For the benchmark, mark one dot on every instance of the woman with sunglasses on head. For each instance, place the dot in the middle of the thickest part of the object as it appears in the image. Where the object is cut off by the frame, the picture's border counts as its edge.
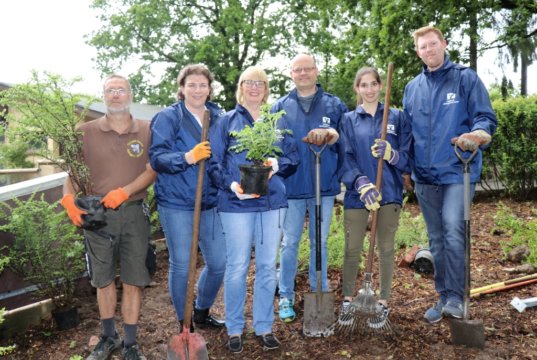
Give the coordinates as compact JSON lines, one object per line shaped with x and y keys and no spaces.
{"x":360,"y":134}
{"x":249,"y":218}
{"x":175,"y":150}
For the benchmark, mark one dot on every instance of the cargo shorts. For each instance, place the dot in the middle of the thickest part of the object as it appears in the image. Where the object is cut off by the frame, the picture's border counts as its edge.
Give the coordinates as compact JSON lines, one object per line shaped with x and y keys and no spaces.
{"x":123,"y":240}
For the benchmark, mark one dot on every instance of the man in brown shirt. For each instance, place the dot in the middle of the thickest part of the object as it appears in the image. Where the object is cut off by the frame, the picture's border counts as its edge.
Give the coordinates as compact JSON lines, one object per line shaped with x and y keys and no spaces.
{"x":115,"y":150}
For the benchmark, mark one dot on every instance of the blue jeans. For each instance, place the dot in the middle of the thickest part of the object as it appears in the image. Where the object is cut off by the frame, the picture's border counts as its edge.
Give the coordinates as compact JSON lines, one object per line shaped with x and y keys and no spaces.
{"x":292,"y":233}
{"x":177,"y":225}
{"x":443,"y":210}
{"x":264,"y":229}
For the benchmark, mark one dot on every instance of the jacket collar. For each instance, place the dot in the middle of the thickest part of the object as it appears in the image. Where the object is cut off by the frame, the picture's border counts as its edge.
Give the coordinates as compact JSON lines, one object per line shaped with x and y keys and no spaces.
{"x":104,"y":125}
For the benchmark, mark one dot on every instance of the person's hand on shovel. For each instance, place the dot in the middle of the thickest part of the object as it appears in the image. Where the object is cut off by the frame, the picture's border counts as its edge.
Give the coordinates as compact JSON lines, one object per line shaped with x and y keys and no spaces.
{"x":383,"y":149}
{"x":321,"y":136}
{"x":199,"y":152}
{"x":368,"y":193}
{"x":472,"y":140}
{"x":239,"y":192}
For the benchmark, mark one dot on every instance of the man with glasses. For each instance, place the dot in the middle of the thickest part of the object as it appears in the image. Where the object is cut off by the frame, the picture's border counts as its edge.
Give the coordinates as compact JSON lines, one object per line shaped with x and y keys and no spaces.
{"x":115,"y":149}
{"x":314,"y":116}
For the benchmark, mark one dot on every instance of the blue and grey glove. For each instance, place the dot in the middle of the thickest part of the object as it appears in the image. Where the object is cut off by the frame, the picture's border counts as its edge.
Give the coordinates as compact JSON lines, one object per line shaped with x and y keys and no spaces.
{"x":383,"y":149}
{"x":368,"y":193}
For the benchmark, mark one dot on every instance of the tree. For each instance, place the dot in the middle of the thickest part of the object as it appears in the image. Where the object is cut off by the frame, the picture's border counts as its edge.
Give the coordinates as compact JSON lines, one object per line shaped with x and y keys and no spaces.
{"x":166,"y":35}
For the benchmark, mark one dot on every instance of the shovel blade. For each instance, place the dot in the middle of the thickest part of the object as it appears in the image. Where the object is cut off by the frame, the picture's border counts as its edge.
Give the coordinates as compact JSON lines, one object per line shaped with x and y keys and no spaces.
{"x":319,"y":314}
{"x":470,"y":333}
{"x":187,"y":346}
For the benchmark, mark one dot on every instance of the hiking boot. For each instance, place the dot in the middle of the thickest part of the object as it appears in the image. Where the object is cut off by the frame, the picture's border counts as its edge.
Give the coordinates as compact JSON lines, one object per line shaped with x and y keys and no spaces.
{"x":269,"y":341}
{"x":434,"y":314}
{"x":453,"y":309}
{"x":133,"y":352}
{"x":203,"y":319}
{"x":380,"y":319}
{"x":234,"y":344}
{"x":287,"y":313}
{"x":105,"y":347}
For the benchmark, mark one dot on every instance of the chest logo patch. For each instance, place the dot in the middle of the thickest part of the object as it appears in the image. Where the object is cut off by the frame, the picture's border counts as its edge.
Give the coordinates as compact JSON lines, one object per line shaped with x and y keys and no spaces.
{"x":391,"y":129}
{"x":135,"y":148}
{"x":451,"y":98}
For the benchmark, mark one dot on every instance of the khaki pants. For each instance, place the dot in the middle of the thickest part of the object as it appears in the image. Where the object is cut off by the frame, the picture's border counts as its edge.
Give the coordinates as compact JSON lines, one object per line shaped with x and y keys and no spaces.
{"x":355,"y":221}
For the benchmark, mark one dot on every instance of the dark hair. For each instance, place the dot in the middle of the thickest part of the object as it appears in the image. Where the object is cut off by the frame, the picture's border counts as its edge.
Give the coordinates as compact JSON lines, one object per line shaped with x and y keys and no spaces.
{"x":360,"y":74}
{"x":194,"y":69}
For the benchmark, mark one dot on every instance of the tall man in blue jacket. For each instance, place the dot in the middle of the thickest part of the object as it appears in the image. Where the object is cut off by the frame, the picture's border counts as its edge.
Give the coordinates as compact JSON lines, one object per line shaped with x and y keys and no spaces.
{"x":447,"y":104}
{"x":315,"y":115}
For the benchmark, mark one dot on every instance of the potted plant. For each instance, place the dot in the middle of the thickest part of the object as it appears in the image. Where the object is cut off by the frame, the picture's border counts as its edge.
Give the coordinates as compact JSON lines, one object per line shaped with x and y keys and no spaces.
{"x":260,"y":143}
{"x":47,"y":251}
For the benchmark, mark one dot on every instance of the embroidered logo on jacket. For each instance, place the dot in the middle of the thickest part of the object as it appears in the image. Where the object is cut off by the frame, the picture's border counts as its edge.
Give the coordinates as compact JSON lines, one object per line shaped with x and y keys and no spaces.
{"x":451,"y":98}
{"x":325,"y":122}
{"x":135,"y":148}
{"x":390,"y":129}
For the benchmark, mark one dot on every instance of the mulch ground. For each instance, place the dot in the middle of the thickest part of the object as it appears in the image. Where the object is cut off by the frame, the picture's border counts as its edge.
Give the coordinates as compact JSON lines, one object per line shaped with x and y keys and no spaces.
{"x":509,"y":334}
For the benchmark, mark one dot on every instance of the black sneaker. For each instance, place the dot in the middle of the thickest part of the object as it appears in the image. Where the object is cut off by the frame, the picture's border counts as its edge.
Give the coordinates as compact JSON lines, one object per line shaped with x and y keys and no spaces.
{"x":203,"y":319}
{"x":105,"y":347}
{"x":269,"y":341}
{"x":234,"y":344}
{"x":133,"y":353}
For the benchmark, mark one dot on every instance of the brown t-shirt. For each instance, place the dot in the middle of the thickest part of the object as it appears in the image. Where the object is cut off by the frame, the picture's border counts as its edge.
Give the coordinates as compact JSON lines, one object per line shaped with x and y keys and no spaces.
{"x":115,"y":160}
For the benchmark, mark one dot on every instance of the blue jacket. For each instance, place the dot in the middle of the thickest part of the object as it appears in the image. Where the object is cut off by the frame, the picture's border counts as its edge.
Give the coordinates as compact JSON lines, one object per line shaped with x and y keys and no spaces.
{"x":443,"y":104}
{"x":358,"y":133}
{"x":224,"y":165}
{"x":326,"y":111}
{"x":174,"y":132}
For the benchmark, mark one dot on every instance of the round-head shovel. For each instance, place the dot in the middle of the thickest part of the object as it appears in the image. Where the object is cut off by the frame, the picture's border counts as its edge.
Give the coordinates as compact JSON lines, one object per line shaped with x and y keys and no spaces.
{"x":465,"y":331}
{"x":318,"y":306}
{"x":190,"y":345}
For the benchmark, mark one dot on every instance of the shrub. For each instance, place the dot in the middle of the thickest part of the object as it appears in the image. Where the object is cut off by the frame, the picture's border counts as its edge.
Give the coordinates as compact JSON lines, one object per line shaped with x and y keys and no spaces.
{"x":13,"y":156}
{"x":4,"y":350}
{"x":47,"y":249}
{"x":512,"y":157}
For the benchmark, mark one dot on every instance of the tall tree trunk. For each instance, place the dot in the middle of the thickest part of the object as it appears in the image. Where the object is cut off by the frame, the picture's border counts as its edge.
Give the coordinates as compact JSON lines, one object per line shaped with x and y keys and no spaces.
{"x":473,"y":40}
{"x":523,"y":74}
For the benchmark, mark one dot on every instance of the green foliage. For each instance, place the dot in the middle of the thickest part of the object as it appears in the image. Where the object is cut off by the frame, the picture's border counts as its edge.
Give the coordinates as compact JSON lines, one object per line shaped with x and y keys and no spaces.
{"x":4,"y":350}
{"x":411,"y":231}
{"x":13,"y":155}
{"x":260,"y":140}
{"x":522,"y":233}
{"x":76,"y":357}
{"x":153,"y":211}
{"x":227,"y":36}
{"x":45,"y":110}
{"x":512,"y":157}
{"x":47,"y":249}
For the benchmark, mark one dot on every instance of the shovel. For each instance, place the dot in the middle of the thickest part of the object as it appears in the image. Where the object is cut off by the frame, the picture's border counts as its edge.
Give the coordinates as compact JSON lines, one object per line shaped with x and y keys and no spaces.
{"x":190,"y":345}
{"x":318,"y":306}
{"x":465,"y":331}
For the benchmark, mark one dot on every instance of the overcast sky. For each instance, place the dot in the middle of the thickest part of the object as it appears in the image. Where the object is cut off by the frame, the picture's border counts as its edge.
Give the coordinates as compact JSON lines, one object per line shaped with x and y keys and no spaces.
{"x":49,"y":35}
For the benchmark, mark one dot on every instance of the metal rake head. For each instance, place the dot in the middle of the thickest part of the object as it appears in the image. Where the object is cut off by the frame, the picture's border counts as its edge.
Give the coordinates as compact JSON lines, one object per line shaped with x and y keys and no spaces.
{"x":363,"y":320}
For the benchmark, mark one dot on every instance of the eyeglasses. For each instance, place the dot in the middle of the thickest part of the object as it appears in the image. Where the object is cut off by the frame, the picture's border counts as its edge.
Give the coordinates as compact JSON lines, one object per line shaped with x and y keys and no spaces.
{"x":298,"y":70}
{"x":119,"y":91}
{"x":201,"y":86}
{"x":371,"y":85}
{"x":253,"y":83}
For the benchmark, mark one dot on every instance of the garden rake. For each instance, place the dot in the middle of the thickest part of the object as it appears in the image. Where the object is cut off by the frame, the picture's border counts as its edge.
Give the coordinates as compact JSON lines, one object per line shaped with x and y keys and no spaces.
{"x":364,"y":313}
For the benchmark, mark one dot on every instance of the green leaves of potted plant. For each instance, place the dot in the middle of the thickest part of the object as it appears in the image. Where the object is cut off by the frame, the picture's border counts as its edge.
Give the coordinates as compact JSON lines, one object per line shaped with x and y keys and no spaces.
{"x":47,"y":251}
{"x":260,"y":143}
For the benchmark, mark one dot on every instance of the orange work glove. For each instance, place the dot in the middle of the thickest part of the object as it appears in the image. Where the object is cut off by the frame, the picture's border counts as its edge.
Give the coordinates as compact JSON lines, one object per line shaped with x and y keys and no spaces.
{"x":114,"y":198}
{"x":198,"y":152}
{"x":73,"y":211}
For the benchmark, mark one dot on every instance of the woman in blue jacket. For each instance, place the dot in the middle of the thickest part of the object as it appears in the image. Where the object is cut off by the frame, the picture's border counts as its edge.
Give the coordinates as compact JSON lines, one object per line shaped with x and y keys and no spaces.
{"x":360,"y":133}
{"x":175,"y":150}
{"x":248,"y":218}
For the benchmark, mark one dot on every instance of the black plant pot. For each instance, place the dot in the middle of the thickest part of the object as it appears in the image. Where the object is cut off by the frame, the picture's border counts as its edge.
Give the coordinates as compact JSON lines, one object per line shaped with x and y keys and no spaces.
{"x":66,"y":318}
{"x":255,"y":178}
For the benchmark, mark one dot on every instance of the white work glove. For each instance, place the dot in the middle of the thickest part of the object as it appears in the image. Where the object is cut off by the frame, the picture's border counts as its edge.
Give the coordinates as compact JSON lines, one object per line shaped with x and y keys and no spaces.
{"x":239,"y":192}
{"x":472,"y":140}
{"x":272,"y":162}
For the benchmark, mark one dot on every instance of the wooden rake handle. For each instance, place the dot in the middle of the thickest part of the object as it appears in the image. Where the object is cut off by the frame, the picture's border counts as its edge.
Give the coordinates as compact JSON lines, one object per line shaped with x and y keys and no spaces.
{"x":374,"y":220}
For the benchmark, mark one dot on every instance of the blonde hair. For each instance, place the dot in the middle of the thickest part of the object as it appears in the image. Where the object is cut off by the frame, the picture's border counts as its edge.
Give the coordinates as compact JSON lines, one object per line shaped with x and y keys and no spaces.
{"x":194,"y":69}
{"x":425,"y":30}
{"x":255,"y":72}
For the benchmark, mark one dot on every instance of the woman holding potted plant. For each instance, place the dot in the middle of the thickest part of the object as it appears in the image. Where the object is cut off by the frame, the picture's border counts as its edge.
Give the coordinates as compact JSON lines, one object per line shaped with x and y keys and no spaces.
{"x":360,"y":134}
{"x":250,"y":217}
{"x":175,"y":150}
